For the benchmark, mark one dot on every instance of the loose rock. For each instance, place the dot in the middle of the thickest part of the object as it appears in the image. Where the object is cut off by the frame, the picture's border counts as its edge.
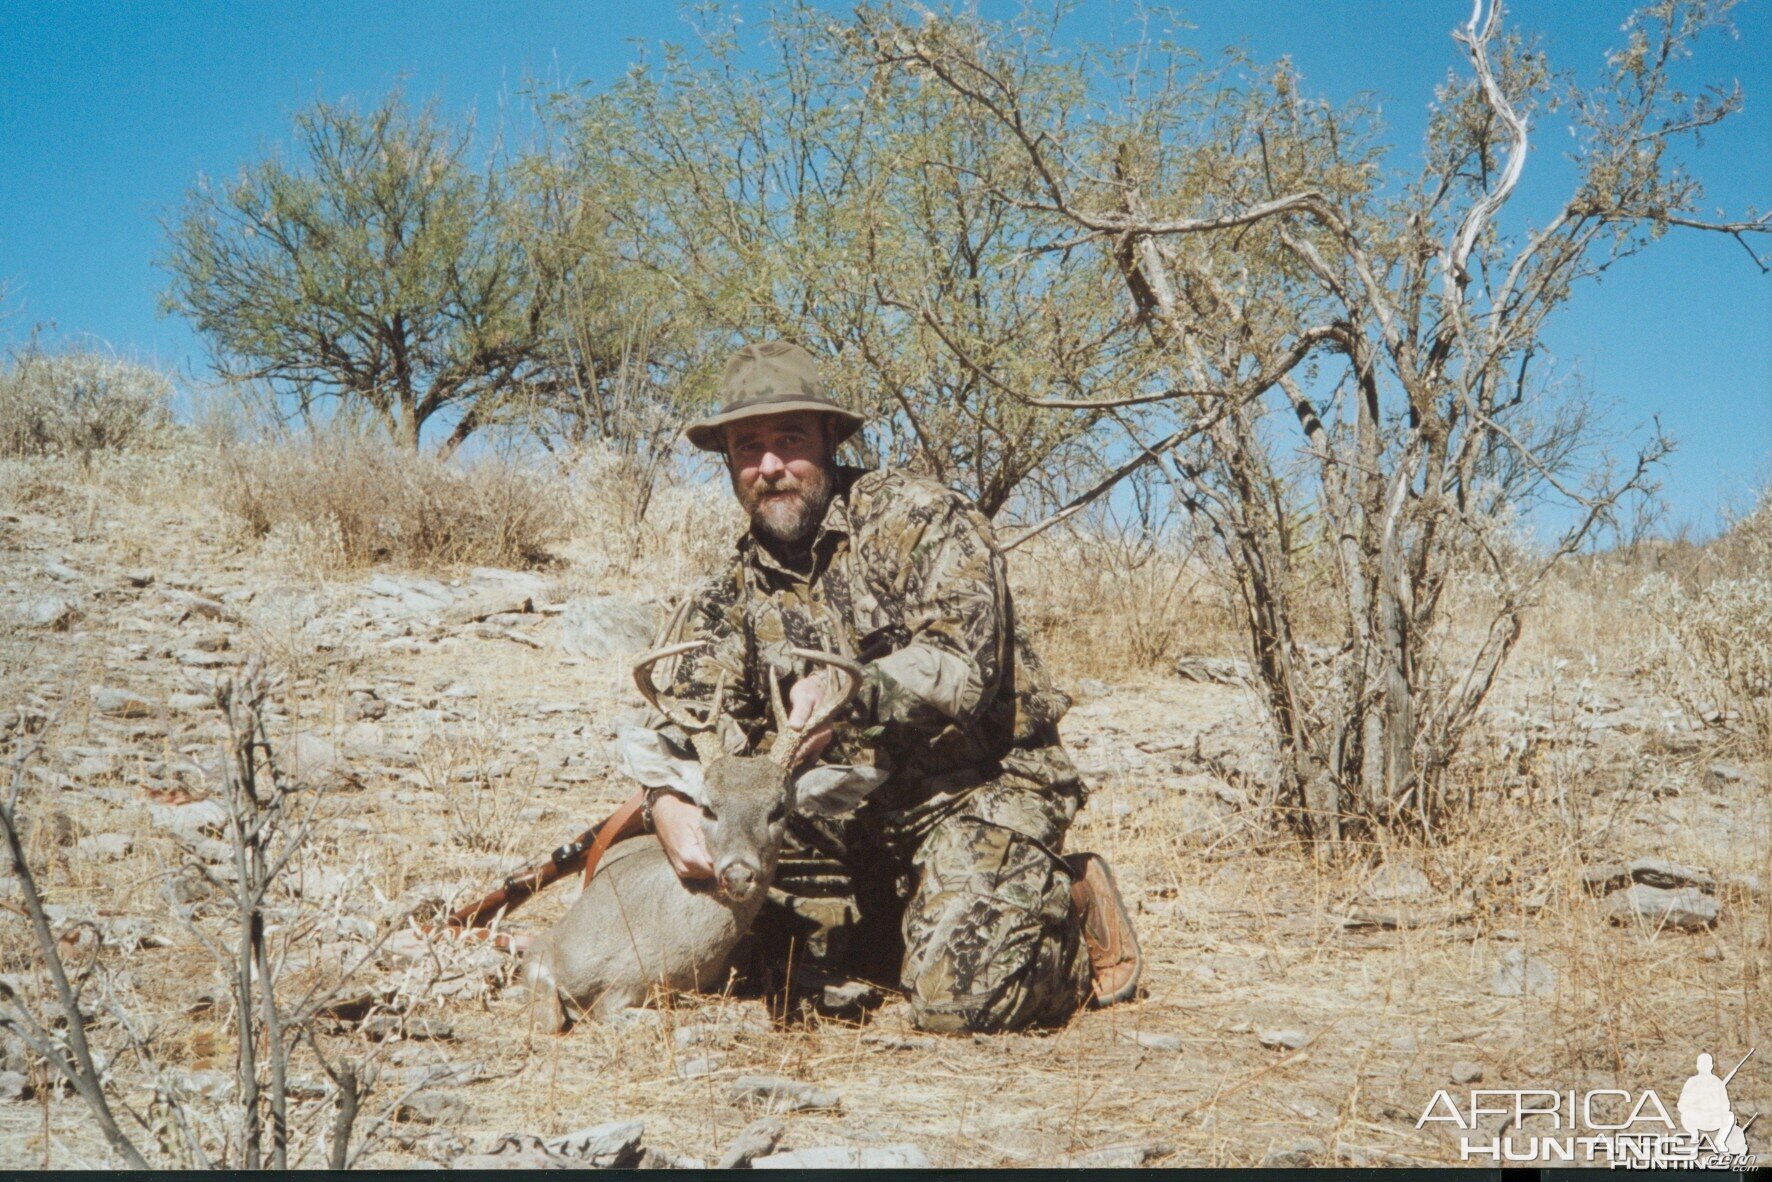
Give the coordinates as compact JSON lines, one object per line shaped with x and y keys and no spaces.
{"x":775,"y":1094}
{"x":605,"y":626}
{"x":1130,"y":1156}
{"x":120,"y":703}
{"x":611,"y":1146}
{"x":846,"y":1157}
{"x":51,"y":612}
{"x":1519,"y":975}
{"x":1154,"y":1042}
{"x":1687,"y":908}
{"x":1290,"y":1040}
{"x":758,"y":1139}
{"x":1294,"y":1155}
{"x":103,"y":847}
{"x":1465,"y":1072}
{"x":434,"y":1108}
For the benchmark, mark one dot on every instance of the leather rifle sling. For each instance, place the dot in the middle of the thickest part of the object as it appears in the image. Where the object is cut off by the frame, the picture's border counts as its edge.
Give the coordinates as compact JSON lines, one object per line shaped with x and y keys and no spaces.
{"x":623,"y":822}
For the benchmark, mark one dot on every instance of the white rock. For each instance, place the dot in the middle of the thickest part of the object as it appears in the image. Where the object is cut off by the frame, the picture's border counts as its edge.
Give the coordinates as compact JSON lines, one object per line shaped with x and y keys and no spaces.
{"x":192,"y":822}
{"x":103,"y":847}
{"x":1294,"y":1155}
{"x":1687,"y":908}
{"x":1290,"y":1040}
{"x":120,"y":703}
{"x":1154,"y":1042}
{"x":615,"y":1145}
{"x":775,"y":1094}
{"x":1130,"y":1156}
{"x":606,"y":625}
{"x":52,"y":612}
{"x":846,"y":1157}
{"x":1519,"y":975}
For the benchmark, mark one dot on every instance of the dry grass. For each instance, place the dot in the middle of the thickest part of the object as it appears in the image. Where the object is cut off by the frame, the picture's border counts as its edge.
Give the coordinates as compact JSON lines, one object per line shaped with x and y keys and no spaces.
{"x":1241,"y":928}
{"x":343,"y":499}
{"x":1105,"y":606}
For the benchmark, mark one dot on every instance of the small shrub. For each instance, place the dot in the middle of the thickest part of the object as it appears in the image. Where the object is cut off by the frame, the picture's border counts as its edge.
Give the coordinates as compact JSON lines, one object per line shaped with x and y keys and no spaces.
{"x":341,"y":498}
{"x":1101,"y":604}
{"x":1712,"y":649}
{"x":77,"y":403}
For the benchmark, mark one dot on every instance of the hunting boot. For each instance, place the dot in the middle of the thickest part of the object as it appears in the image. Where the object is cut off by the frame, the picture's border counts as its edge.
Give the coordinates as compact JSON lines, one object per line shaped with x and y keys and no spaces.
{"x":1107,"y":929}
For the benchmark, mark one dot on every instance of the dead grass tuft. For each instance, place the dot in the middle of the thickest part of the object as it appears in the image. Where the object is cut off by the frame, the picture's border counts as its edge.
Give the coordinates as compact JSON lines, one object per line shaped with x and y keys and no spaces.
{"x":340,"y":499}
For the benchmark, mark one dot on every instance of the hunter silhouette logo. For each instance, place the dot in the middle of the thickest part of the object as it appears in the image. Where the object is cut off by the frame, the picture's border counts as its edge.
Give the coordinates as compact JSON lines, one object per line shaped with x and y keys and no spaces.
{"x":1705,"y":1112}
{"x":1632,"y":1130}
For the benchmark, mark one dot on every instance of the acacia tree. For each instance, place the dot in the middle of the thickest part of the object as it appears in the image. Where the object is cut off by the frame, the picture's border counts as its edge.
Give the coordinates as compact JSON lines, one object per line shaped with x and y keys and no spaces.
{"x":376,"y":271}
{"x":1396,"y":323}
{"x":818,"y":199}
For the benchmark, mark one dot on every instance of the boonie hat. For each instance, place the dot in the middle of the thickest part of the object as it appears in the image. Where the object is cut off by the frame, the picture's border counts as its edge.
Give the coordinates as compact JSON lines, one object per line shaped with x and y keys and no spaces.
{"x":770,"y":378}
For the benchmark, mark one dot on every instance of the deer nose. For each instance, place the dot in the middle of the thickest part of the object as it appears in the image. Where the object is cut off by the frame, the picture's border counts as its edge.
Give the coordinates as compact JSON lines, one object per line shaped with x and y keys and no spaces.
{"x":738,"y":880}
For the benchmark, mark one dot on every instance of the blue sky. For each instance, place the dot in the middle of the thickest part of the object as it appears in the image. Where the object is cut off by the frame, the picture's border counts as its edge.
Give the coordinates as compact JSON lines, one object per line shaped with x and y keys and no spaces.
{"x":109,"y":111}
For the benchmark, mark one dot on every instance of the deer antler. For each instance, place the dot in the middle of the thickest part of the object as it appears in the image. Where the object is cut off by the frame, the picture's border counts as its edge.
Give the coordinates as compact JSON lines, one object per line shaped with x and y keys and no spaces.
{"x":703,"y":732}
{"x":790,"y":741}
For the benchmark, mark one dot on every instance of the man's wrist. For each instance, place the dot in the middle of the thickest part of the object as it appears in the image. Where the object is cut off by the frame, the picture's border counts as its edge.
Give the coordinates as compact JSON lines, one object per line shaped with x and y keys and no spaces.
{"x":652,"y":797}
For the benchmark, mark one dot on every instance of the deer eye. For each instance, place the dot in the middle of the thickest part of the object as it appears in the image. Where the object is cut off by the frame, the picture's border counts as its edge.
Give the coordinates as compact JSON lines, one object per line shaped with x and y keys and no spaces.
{"x":777,"y":813}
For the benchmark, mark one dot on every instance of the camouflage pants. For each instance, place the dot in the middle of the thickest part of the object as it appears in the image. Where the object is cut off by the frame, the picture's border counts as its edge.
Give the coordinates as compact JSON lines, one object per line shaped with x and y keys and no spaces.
{"x":990,"y":942}
{"x":978,"y":916}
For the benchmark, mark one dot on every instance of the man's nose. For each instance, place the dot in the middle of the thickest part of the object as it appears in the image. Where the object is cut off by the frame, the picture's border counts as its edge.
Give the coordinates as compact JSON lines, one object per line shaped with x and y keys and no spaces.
{"x":771,"y":465}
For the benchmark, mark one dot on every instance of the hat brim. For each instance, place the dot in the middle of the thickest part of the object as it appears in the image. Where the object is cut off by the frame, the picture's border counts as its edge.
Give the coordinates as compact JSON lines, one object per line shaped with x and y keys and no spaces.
{"x":708,"y":433}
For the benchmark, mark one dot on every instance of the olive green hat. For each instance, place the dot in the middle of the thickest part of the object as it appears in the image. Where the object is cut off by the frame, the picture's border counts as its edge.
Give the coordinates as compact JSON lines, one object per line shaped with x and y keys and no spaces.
{"x":770,"y":378}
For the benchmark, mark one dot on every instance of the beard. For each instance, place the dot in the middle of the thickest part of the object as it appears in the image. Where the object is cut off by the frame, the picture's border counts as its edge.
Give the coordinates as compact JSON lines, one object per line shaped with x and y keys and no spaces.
{"x":786,"y":511}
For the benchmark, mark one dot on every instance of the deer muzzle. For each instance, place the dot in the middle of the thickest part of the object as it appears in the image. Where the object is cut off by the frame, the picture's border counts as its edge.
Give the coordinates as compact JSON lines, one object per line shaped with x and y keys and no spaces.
{"x":738,"y":879}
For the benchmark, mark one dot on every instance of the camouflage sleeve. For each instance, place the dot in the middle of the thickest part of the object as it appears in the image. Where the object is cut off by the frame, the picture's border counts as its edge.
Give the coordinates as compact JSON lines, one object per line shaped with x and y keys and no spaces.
{"x":712,"y":613}
{"x":932,"y":563}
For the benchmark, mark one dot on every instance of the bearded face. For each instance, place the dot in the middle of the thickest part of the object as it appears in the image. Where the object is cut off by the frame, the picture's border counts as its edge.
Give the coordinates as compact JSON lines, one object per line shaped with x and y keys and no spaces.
{"x":782,"y":474}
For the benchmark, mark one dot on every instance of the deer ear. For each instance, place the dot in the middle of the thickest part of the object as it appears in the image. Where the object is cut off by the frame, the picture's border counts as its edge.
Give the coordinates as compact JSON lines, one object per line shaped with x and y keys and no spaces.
{"x":833,"y":789}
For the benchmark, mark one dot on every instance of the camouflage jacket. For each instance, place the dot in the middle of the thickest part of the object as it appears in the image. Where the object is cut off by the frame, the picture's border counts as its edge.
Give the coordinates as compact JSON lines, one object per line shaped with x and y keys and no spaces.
{"x":903,"y":576}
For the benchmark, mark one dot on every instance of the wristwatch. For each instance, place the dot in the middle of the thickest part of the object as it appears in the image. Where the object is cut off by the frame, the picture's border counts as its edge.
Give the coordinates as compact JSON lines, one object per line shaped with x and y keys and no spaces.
{"x":652,"y":795}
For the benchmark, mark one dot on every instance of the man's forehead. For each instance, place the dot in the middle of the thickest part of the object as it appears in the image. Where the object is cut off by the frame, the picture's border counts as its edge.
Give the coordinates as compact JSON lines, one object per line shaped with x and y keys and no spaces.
{"x":766,"y":425}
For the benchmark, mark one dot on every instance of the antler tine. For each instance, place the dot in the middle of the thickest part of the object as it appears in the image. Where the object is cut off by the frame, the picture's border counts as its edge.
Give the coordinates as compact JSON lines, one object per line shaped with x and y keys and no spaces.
{"x":676,"y":714}
{"x":789,"y":741}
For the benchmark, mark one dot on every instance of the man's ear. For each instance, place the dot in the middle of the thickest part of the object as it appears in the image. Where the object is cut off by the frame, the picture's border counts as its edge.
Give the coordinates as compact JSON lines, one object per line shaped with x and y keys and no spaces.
{"x":833,"y":789}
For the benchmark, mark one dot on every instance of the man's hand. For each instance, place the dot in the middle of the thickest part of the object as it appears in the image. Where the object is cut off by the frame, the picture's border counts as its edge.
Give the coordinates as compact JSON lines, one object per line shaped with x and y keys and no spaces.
{"x":803,"y":701}
{"x":678,"y":825}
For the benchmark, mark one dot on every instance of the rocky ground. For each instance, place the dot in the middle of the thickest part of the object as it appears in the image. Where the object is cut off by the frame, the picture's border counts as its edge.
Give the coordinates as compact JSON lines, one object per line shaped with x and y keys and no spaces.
{"x":1604,"y":921}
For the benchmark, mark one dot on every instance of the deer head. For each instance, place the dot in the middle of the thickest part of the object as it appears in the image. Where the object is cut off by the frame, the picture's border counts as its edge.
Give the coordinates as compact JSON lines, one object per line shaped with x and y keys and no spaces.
{"x":747,"y":798}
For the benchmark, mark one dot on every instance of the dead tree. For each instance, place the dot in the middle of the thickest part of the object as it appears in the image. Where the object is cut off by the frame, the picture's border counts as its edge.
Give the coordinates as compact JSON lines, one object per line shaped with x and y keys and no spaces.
{"x":1354,"y":396}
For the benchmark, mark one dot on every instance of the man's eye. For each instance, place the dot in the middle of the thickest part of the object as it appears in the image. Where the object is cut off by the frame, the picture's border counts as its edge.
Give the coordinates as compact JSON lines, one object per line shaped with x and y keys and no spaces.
{"x":707,"y":812}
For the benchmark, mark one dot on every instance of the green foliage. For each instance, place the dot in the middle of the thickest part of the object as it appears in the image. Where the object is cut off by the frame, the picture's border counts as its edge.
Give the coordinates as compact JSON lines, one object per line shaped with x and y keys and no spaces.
{"x":852,"y":210}
{"x":376,"y":269}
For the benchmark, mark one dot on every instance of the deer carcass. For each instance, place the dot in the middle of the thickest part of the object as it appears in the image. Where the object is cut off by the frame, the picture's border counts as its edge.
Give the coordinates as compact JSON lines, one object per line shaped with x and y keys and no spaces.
{"x":636,"y":925}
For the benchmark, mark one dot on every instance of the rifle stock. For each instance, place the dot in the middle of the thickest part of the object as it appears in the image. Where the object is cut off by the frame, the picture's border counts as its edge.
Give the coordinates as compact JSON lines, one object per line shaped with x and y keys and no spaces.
{"x":582,"y":852}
